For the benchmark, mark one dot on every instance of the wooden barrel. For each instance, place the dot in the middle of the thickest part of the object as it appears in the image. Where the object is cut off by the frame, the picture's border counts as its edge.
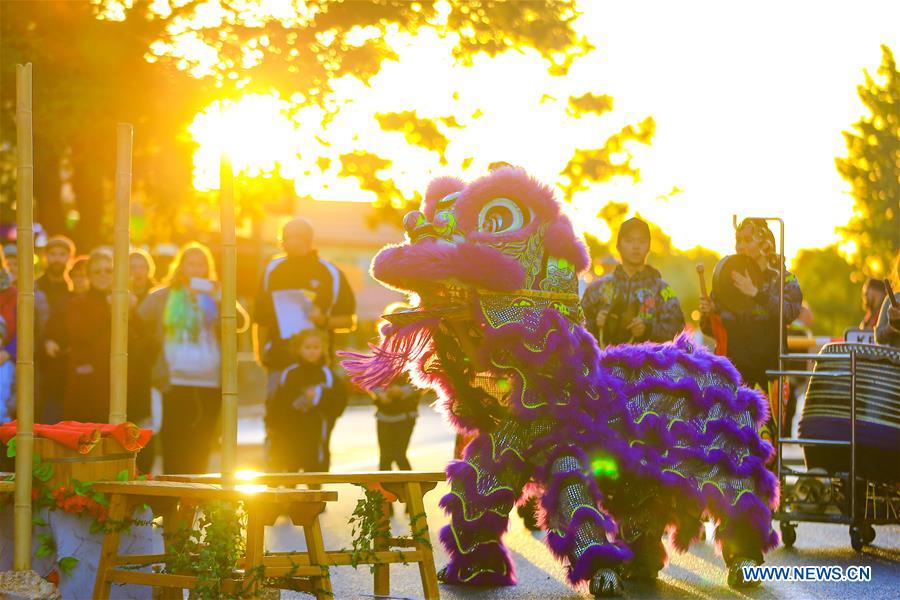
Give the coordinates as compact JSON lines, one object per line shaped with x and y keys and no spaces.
{"x":826,"y":414}
{"x":104,"y":462}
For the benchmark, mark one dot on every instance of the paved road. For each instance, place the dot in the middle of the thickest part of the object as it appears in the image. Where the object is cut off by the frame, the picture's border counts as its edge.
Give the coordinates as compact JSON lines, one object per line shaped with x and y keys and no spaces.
{"x":697,"y":574}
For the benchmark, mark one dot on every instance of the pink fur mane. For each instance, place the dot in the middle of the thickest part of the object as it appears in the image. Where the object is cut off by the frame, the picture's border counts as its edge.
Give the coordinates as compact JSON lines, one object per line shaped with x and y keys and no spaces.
{"x":438,"y":189}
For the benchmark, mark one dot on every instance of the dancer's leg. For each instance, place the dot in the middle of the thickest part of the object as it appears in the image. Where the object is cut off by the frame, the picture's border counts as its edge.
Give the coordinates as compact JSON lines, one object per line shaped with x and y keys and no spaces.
{"x":484,"y":488}
{"x":577,"y":527}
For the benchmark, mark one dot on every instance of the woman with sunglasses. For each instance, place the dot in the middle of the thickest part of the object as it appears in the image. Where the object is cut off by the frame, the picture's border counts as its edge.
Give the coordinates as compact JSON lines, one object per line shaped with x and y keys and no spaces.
{"x":753,"y":336}
{"x":81,"y":336}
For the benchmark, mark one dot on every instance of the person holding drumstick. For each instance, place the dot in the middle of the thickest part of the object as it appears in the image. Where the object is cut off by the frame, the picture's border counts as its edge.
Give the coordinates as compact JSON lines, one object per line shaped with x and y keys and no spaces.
{"x":633,"y":303}
{"x":752,"y":335}
{"x":887,"y":329}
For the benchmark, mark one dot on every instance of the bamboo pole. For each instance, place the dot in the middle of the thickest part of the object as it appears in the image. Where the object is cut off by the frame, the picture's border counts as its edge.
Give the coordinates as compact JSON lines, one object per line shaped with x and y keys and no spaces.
{"x":24,"y":320}
{"x":118,"y":358}
{"x":229,"y":322}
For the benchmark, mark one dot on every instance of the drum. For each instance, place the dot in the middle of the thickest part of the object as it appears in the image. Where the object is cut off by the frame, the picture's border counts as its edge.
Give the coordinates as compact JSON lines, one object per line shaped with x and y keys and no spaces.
{"x":615,"y":328}
{"x":726,"y":293}
{"x":826,"y":414}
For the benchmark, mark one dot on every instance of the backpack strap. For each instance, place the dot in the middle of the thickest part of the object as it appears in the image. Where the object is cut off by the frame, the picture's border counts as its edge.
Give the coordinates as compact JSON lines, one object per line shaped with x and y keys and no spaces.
{"x":335,"y":281}
{"x":329,"y":377}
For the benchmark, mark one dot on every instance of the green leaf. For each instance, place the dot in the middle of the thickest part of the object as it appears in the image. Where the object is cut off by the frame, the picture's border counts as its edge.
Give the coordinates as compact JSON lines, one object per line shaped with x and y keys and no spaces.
{"x":100,"y":498}
{"x":82,"y":488}
{"x":42,"y":471}
{"x":11,"y":448}
{"x":46,"y":545}
{"x":38,"y":522}
{"x":122,"y":475}
{"x":67,"y":564}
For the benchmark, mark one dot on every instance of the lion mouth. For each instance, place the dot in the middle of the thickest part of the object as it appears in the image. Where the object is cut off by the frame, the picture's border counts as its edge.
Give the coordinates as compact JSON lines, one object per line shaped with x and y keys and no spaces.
{"x":425,"y":266}
{"x":442,"y":301}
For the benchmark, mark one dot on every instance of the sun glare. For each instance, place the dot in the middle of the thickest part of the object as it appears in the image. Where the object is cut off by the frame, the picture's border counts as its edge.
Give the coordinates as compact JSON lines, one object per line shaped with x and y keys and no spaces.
{"x":510,"y":109}
{"x":255,"y":131}
{"x":500,"y":104}
{"x":246,"y":474}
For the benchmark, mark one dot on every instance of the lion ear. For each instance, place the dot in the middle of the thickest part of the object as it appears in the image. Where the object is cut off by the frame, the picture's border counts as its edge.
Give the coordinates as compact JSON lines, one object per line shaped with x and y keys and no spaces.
{"x":560,"y":240}
{"x":440,"y":188}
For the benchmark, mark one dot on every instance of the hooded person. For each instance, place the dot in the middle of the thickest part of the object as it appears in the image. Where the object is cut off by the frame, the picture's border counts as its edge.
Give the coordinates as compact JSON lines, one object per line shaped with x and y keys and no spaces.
{"x":633,"y":303}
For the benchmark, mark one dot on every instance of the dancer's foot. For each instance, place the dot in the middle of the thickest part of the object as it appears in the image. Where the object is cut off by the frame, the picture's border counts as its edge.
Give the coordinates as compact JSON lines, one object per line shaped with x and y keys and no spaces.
{"x":736,"y":573}
{"x":480,"y":578}
{"x":606,"y":584}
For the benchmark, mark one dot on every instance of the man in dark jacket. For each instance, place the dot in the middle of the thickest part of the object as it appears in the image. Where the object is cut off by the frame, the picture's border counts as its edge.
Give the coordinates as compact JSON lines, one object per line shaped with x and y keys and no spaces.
{"x":633,"y":303}
{"x":299,"y":290}
{"x":51,"y":371}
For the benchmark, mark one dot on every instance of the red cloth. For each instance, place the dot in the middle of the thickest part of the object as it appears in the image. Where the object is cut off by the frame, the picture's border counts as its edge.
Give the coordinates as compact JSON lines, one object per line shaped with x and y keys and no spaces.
{"x":8,"y":298}
{"x":719,"y":334}
{"x":82,"y":437}
{"x":130,"y":436}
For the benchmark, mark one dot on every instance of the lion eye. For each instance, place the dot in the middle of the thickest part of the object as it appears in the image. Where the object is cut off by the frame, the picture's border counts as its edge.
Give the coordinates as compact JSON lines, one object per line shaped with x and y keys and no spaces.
{"x":501,"y":215}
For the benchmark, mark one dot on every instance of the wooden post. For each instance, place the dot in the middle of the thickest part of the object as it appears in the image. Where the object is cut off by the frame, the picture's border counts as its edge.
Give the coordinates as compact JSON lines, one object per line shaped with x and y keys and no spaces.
{"x":229,"y":323}
{"x":118,"y":358}
{"x":24,"y":320}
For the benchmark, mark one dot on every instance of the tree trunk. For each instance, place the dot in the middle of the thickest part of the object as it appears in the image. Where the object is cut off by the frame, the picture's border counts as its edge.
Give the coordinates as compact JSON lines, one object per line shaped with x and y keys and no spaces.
{"x":92,"y":160}
{"x":47,"y":188}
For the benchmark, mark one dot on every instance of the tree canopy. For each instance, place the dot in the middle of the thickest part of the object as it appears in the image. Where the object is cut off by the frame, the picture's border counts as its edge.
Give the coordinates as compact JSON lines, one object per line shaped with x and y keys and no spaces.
{"x":829,"y":290}
{"x":306,"y":46}
{"x":159,"y":64}
{"x":872,"y":167}
{"x":89,"y":74}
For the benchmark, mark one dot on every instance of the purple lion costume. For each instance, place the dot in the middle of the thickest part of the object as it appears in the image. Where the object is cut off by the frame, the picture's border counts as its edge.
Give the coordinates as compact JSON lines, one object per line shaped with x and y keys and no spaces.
{"x":620,"y":445}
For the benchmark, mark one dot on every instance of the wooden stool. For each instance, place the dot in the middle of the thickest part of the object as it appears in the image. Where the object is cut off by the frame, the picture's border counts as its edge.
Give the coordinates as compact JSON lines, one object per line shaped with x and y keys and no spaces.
{"x":408,"y":487}
{"x":177,"y":503}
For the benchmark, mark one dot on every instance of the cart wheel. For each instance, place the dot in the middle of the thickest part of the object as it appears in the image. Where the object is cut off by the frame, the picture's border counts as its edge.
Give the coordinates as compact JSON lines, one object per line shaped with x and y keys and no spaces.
{"x":788,"y":534}
{"x":868,"y":534}
{"x":856,"y":538}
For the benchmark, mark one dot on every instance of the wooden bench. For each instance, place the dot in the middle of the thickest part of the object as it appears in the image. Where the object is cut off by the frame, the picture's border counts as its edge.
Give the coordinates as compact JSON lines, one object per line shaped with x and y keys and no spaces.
{"x":177,"y":502}
{"x":408,"y":487}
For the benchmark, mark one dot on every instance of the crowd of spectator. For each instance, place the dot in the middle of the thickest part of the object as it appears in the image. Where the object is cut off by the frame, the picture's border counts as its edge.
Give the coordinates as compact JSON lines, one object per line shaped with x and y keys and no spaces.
{"x":302,"y":300}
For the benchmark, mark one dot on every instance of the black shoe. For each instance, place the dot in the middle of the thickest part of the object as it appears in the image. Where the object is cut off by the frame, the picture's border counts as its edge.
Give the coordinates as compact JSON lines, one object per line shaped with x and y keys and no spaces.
{"x":736,"y":573}
{"x":606,"y":584}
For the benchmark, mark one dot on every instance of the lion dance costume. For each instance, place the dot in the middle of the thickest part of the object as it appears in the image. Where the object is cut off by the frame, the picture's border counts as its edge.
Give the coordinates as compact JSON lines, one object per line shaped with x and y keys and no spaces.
{"x":620,"y":445}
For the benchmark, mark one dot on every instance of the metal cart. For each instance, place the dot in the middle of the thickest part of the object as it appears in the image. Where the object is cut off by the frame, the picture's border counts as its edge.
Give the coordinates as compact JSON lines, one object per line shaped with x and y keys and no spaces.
{"x":819,"y":495}
{"x":854,"y":496}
